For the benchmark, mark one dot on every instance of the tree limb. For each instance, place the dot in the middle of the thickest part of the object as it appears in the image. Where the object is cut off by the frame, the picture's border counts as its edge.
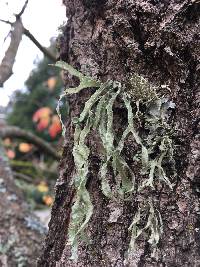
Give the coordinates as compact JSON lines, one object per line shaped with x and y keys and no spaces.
{"x":16,"y":36}
{"x":23,"y":177}
{"x":9,"y":58}
{"x":7,"y":22}
{"x":22,"y":10}
{"x":45,"y":51}
{"x":13,"y":131}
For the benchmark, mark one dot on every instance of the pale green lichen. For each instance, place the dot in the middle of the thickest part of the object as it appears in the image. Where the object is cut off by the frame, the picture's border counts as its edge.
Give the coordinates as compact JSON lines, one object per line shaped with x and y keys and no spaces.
{"x":140,"y":89}
{"x":154,"y":225}
{"x":155,"y":148}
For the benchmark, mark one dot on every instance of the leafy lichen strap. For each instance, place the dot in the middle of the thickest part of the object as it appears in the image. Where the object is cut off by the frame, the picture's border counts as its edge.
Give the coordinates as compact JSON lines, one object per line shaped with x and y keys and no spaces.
{"x":154,"y":225}
{"x":131,"y":127}
{"x":59,"y":113}
{"x":165,"y":148}
{"x":135,"y":231}
{"x":126,"y":174}
{"x":150,"y":180}
{"x":107,"y":136}
{"x":99,"y":109}
{"x":92,"y":100}
{"x":82,"y":209}
{"x":85,"y":81}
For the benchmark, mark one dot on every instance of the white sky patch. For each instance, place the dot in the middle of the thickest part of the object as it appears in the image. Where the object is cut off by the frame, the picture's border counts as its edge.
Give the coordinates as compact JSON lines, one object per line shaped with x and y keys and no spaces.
{"x":42,"y":18}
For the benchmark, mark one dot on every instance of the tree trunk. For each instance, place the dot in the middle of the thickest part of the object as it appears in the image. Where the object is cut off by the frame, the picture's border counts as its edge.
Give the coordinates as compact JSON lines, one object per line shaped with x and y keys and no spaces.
{"x":21,"y":232}
{"x":111,"y":40}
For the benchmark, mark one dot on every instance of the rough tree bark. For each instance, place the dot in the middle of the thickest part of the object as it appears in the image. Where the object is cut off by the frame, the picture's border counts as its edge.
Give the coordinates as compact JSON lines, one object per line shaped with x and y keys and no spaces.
{"x":111,"y":39}
{"x":21,"y":232}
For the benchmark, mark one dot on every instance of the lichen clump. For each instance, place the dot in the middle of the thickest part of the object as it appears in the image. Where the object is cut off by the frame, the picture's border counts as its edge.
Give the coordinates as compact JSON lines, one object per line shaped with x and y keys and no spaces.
{"x":140,"y":89}
{"x":155,"y":149}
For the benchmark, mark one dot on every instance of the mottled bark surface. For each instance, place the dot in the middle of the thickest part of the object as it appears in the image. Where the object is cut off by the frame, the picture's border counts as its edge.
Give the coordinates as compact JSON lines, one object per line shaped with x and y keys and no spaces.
{"x":21,"y":233}
{"x":110,"y":40}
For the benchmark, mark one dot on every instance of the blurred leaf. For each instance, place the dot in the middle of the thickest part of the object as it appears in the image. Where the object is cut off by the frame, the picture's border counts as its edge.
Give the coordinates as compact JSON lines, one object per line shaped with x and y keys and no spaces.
{"x":42,"y":117}
{"x":43,"y":124}
{"x":55,"y":127}
{"x":10,"y":154}
{"x":25,"y":147}
{"x":43,"y":187}
{"x":48,"y":200}
{"x":7,"y":142}
{"x":42,"y":113}
{"x":51,"y":83}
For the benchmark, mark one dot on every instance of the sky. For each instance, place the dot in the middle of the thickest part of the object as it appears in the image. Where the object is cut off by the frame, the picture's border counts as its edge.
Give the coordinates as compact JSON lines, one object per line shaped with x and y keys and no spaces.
{"x":42,"y":18}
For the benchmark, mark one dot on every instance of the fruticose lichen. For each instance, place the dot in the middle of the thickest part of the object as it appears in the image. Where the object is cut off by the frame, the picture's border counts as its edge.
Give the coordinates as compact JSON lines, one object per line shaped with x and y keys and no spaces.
{"x":142,"y":103}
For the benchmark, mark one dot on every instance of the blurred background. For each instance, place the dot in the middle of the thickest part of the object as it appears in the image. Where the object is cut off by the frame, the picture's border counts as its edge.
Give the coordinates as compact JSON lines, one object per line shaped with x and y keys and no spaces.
{"x":28,"y":100}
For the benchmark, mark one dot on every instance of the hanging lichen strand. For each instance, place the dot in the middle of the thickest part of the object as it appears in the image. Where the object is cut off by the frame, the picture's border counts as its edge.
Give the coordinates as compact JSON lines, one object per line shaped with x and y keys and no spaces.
{"x":155,"y":148}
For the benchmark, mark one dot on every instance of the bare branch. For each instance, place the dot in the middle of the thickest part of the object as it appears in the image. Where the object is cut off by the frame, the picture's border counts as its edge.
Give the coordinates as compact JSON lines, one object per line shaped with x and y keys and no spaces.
{"x":45,"y":51}
{"x":16,"y":132}
{"x":7,"y":21}
{"x":23,"y":176}
{"x":9,"y":58}
{"x":22,"y":10}
{"x":16,"y":36}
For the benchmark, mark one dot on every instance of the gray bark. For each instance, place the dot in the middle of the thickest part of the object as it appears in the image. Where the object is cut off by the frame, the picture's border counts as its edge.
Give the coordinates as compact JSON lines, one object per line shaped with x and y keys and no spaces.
{"x":21,"y":233}
{"x":110,"y":40}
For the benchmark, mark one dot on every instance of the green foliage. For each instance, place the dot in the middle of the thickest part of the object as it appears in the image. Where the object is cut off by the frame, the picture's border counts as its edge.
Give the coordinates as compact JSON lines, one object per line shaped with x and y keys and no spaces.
{"x":143,"y":105}
{"x":40,"y":74}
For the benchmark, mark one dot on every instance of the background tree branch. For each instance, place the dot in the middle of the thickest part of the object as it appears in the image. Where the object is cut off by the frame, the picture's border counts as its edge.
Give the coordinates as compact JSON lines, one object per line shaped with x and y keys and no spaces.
{"x":22,"y":176}
{"x":44,"y":50}
{"x":16,"y":132}
{"x":9,"y":58}
{"x":16,"y":37}
{"x":22,"y":10}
